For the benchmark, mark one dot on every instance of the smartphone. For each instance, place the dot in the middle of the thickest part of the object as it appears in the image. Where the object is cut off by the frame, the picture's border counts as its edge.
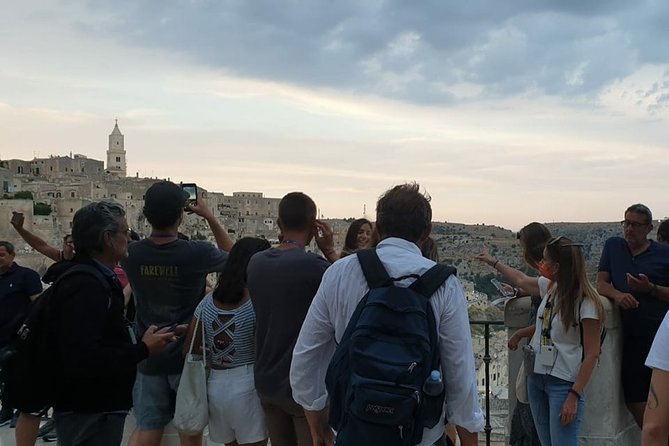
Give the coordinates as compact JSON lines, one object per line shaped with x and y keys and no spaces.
{"x":191,"y":190}
{"x":503,"y":291}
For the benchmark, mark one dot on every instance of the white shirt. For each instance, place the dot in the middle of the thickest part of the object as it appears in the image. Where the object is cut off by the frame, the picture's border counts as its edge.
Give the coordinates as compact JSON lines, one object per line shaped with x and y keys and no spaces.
{"x":568,"y":343}
{"x":341,"y":289}
{"x":658,"y":358}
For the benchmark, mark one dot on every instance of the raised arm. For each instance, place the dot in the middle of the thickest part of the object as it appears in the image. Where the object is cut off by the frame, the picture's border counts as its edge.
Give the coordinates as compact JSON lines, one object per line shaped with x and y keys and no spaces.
{"x":223,"y":240}
{"x":519,"y":278}
{"x":34,"y":241}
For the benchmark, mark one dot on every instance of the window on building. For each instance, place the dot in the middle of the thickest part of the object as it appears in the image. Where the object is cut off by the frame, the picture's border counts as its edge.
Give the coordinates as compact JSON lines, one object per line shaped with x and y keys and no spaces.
{"x":118,"y":158}
{"x":71,"y":210}
{"x":51,"y":168}
{"x":72,"y":194}
{"x":58,"y":195}
{"x":20,"y":169}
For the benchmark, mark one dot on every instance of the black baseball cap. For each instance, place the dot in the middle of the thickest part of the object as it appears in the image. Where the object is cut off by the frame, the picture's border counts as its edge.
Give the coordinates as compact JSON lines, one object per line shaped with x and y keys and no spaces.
{"x":164,"y":203}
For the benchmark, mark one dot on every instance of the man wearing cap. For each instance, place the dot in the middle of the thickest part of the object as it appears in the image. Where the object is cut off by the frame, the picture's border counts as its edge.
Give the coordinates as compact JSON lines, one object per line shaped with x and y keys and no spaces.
{"x":168,"y":279}
{"x":634,"y":274}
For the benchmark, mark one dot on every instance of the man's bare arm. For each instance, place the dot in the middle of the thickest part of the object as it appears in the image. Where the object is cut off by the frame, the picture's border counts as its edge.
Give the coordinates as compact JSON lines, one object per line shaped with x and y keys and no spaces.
{"x":606,"y":289}
{"x":34,"y":241}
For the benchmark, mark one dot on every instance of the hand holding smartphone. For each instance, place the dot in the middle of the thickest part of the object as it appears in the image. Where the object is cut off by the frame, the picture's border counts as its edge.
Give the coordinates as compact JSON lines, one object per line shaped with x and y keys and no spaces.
{"x":191,"y":190}
{"x":504,"y":291}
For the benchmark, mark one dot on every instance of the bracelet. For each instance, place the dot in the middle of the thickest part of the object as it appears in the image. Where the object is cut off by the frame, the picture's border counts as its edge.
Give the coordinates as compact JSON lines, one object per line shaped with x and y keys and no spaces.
{"x":578,"y":395}
{"x":495,"y":264}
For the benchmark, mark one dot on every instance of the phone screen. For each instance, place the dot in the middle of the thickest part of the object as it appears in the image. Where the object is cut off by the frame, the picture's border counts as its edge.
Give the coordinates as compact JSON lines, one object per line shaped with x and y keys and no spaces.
{"x":191,"y":190}
{"x":503,"y":291}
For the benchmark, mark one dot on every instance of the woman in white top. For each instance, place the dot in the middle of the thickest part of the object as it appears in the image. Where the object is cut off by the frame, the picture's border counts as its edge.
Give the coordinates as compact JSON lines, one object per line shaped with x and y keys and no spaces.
{"x":236,"y":417}
{"x":565,"y":339}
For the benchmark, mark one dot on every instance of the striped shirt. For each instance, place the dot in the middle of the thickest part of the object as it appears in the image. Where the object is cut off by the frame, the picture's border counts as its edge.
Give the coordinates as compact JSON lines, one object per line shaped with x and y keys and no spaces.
{"x":229,"y":334}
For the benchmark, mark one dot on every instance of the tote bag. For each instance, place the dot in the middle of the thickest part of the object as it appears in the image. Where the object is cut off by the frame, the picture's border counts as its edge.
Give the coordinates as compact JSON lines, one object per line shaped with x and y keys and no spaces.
{"x":191,"y":412}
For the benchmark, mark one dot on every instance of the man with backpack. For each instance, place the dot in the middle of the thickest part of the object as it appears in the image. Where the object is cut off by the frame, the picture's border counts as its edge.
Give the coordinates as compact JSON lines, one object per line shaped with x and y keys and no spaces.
{"x":392,"y":340}
{"x":74,"y":350}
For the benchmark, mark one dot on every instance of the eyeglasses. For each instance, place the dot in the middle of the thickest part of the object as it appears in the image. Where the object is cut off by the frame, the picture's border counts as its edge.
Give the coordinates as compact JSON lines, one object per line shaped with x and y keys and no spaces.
{"x":557,"y":239}
{"x":632,"y":224}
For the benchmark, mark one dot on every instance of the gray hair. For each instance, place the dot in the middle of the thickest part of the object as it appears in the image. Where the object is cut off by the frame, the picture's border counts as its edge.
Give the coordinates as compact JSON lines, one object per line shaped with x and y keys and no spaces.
{"x":90,"y":224}
{"x":641,"y":209}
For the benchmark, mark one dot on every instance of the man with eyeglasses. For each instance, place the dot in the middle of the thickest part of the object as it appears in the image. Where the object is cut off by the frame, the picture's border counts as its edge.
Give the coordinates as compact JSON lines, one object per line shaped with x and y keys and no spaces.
{"x":634,"y":273}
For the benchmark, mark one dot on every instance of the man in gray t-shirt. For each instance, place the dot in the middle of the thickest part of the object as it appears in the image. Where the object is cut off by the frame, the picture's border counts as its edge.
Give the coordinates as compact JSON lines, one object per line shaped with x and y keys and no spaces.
{"x":282,"y":281}
{"x":168,"y":277}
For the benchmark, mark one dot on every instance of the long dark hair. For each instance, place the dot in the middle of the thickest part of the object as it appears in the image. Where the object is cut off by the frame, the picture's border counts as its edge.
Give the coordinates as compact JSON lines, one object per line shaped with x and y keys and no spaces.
{"x":351,"y":241}
{"x":232,"y":280}
{"x":533,"y":238}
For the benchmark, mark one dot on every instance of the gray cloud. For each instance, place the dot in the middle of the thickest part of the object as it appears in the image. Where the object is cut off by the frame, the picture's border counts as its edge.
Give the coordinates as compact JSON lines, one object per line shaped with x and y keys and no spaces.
{"x":411,"y":51}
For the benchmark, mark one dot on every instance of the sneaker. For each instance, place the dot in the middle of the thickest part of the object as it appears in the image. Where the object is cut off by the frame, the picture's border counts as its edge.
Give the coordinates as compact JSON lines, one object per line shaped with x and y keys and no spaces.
{"x":5,"y":416}
{"x":46,"y":428}
{"x":15,"y":418}
{"x":50,"y":437}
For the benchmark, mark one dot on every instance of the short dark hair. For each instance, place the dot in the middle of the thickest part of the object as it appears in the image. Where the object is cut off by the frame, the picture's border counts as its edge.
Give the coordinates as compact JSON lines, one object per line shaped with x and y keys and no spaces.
{"x":404,"y":212}
{"x":91,"y":222}
{"x":164,"y":204}
{"x":297,"y":212}
{"x":8,"y":246}
{"x":641,"y":209}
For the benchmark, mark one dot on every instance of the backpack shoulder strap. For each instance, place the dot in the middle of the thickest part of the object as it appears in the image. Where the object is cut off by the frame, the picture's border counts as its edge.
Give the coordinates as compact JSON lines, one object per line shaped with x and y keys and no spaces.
{"x":427,"y":284}
{"x":91,"y":271}
{"x":87,"y":269}
{"x":374,"y":271}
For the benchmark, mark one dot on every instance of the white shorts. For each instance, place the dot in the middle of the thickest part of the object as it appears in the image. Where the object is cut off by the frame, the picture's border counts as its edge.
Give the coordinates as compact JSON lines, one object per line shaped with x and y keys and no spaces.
{"x":234,"y":408}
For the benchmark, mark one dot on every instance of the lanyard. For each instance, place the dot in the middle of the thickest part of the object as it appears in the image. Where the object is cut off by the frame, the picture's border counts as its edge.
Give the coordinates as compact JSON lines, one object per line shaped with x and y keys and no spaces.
{"x":547,"y":316}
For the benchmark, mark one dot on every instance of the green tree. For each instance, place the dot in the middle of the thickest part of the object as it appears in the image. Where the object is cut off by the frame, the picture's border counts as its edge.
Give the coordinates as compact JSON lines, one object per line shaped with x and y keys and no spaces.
{"x":41,"y":209}
{"x":23,"y":195}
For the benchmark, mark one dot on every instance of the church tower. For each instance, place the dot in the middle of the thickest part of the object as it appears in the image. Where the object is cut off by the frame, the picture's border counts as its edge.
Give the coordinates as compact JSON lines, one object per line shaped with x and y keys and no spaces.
{"x":116,"y":153}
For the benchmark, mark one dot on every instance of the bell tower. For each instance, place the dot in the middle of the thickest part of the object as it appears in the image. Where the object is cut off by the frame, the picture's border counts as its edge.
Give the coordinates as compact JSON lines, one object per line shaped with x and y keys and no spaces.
{"x":116,"y":153}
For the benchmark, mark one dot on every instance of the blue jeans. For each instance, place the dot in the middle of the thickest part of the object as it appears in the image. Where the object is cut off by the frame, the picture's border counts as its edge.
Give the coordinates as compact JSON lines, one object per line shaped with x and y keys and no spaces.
{"x":546,"y":395}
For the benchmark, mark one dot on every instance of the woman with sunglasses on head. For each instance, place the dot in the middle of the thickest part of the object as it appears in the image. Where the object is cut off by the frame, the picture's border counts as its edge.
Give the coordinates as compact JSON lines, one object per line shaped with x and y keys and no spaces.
{"x":565,"y":338}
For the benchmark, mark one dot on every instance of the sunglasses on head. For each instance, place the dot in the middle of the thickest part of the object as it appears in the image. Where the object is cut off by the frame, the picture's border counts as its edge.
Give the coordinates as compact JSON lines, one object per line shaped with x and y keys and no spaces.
{"x":555,"y":240}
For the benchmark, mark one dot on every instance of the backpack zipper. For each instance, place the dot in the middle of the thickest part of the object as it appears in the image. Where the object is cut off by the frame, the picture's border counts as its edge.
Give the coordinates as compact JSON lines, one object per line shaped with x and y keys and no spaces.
{"x":412,"y":366}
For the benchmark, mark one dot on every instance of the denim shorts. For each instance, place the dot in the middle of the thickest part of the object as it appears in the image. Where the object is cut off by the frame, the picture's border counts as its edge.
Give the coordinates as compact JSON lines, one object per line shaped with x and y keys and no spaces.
{"x":154,"y":397}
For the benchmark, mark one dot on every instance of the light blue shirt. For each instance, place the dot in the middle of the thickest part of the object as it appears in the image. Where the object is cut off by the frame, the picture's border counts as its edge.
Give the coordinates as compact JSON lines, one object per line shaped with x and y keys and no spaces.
{"x":341,"y":289}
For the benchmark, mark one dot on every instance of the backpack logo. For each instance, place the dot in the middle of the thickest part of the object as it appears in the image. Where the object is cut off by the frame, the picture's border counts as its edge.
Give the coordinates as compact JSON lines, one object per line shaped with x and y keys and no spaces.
{"x":376,"y":409}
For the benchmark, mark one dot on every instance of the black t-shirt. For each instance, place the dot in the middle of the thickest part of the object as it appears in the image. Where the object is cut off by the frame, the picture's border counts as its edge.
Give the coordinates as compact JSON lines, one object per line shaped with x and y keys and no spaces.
{"x":282,"y":284}
{"x":17,"y":284}
{"x":168,"y":281}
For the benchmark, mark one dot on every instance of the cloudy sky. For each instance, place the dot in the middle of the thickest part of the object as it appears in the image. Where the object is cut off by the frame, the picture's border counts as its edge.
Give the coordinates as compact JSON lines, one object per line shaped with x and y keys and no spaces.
{"x":505,"y":112}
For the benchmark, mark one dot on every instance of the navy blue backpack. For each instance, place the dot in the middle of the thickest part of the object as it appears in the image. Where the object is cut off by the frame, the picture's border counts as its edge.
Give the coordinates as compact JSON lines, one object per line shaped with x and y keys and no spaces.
{"x":390,"y":346}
